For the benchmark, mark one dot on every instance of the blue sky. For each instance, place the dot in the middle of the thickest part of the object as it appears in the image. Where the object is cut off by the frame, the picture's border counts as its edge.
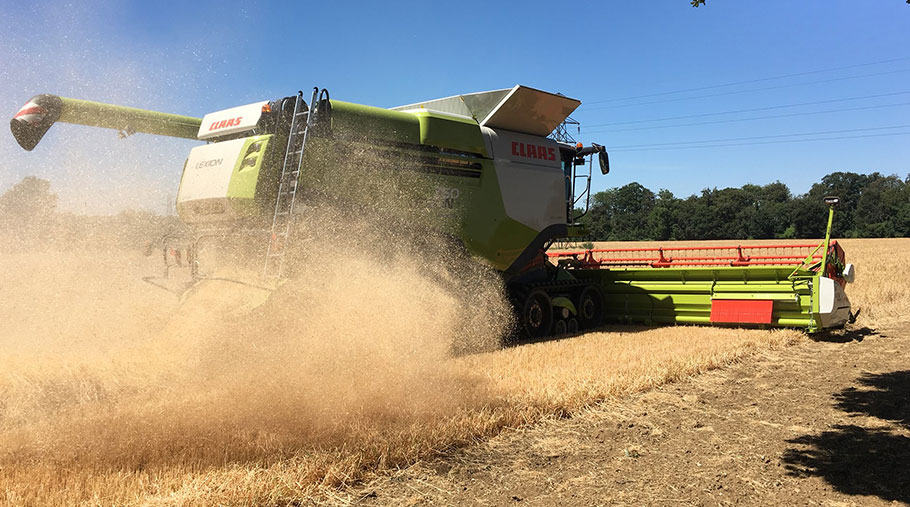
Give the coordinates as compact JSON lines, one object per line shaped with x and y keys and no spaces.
{"x":197,"y":57}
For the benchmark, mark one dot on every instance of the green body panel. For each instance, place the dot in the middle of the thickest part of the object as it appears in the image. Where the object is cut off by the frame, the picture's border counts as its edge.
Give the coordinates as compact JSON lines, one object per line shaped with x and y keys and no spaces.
{"x":246,"y":178}
{"x":485,"y":228}
{"x":684,"y":295}
{"x":98,"y":114}
{"x":374,"y":123}
{"x":454,"y":133}
{"x":469,"y":208}
{"x":476,"y":216}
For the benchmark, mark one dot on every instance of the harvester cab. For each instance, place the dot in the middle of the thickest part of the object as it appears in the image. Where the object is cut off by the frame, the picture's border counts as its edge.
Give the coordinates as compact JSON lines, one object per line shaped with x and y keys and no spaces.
{"x":480,"y":169}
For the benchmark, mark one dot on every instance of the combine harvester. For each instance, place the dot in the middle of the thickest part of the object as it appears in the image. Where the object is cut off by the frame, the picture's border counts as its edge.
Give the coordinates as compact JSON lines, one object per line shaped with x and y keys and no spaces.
{"x":478,"y":169}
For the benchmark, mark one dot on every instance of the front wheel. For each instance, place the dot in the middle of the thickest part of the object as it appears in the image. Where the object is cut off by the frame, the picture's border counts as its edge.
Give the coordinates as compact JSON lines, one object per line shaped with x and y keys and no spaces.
{"x":590,"y":308}
{"x":537,"y":315}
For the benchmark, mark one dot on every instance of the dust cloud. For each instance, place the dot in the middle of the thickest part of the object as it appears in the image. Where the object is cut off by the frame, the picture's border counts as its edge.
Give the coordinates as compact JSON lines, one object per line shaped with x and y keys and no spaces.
{"x":98,"y":368}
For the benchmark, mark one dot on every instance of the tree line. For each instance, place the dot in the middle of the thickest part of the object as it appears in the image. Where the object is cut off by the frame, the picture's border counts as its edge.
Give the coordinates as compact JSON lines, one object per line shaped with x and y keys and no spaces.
{"x":29,"y":220}
{"x":872,"y":206}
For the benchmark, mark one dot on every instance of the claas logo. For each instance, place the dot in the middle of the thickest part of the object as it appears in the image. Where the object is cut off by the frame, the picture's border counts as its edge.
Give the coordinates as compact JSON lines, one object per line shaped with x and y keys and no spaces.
{"x":533,"y":151}
{"x":225,"y":123}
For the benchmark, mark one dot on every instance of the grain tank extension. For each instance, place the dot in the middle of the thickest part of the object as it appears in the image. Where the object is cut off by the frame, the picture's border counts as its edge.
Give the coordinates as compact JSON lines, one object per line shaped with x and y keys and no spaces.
{"x":479,"y":169}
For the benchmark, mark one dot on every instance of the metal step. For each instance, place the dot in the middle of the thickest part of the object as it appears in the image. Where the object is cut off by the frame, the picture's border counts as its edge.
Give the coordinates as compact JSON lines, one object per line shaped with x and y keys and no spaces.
{"x":288,"y":183}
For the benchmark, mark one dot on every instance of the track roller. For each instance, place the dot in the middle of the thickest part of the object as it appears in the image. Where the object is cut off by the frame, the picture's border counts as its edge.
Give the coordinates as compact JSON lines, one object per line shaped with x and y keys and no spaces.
{"x":590,"y":307}
{"x":559,"y":328}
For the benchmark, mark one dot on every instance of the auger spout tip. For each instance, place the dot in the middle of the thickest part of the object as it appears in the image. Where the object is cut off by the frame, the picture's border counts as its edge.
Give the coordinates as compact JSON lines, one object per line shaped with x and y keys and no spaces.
{"x":34,"y":119}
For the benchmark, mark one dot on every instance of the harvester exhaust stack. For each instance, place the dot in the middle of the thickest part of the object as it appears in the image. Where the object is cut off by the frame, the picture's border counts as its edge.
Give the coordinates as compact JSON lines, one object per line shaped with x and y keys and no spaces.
{"x":40,"y":113}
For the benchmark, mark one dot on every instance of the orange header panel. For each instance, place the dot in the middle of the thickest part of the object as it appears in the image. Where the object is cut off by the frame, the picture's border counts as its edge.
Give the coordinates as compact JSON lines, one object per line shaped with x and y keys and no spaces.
{"x":741,"y":311}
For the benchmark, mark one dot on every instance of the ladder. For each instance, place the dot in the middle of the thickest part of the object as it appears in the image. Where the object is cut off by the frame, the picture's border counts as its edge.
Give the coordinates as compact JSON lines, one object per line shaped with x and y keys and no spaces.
{"x":282,"y":222}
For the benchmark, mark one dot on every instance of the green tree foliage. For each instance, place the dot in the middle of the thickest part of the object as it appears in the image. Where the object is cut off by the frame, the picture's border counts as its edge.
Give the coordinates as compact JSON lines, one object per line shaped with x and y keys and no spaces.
{"x":872,"y":205}
{"x":881,"y":210}
{"x":663,"y":216}
{"x":622,"y":213}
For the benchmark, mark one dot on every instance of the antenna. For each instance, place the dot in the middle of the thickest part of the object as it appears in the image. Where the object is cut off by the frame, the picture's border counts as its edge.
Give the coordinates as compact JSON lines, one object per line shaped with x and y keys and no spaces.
{"x":561,"y":134}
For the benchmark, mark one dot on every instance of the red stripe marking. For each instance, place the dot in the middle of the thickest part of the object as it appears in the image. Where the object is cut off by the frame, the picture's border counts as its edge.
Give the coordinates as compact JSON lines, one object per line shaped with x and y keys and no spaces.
{"x":30,"y":110}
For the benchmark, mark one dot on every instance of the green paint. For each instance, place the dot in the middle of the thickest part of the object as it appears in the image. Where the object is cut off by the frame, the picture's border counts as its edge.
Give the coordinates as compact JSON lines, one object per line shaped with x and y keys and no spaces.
{"x":683,"y":295}
{"x":486,"y":229}
{"x":827,"y":239}
{"x":245,"y":177}
{"x":404,"y":144}
{"x":564,"y":302}
{"x":448,"y":131}
{"x":98,"y":114}
{"x":367,"y":122}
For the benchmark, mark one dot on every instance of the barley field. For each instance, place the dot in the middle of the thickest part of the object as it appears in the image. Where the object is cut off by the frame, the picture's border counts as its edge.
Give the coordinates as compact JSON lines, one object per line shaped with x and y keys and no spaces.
{"x":113,"y":392}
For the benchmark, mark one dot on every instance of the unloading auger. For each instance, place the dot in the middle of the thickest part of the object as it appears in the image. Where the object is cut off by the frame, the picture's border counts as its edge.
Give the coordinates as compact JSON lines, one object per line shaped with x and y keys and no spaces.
{"x":479,"y":169}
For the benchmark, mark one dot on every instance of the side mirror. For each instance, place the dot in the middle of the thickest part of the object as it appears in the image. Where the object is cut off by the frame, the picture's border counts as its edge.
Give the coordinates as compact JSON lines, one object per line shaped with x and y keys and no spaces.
{"x":604,"y":160}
